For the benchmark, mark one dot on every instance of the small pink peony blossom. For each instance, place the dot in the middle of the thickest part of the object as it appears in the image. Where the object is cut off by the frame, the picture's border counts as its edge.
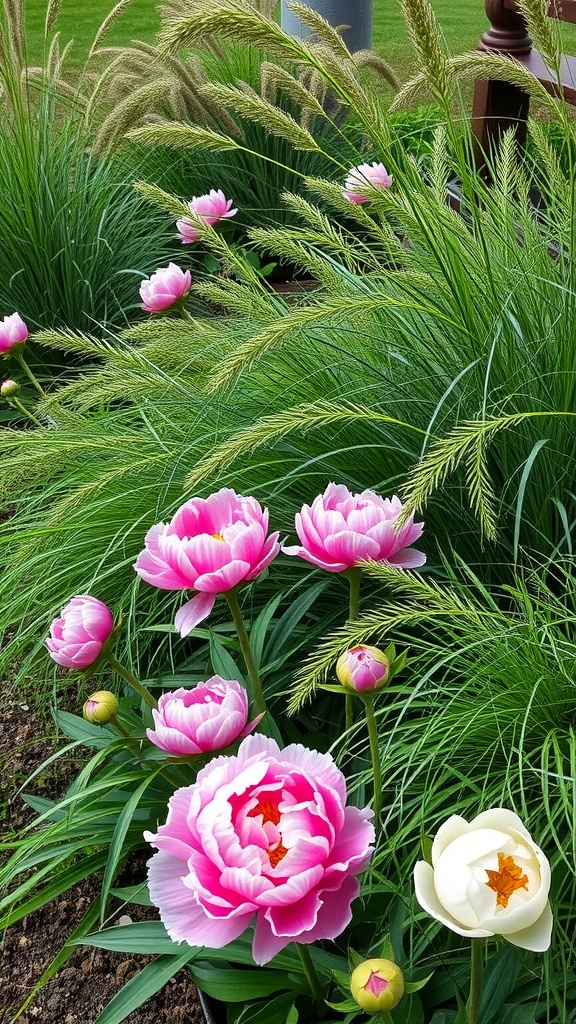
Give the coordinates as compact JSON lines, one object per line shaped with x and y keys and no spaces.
{"x":264,"y":837}
{"x":13,"y":331}
{"x":362,"y":181}
{"x":363,"y":669}
{"x":77,"y":637}
{"x":211,"y":545}
{"x":209,"y":717}
{"x":340,"y":528}
{"x":164,"y":288}
{"x":206,"y":212}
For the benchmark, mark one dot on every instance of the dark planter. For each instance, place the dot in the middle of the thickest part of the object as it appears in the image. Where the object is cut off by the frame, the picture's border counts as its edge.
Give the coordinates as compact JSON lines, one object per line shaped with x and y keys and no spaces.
{"x":214,"y":1011}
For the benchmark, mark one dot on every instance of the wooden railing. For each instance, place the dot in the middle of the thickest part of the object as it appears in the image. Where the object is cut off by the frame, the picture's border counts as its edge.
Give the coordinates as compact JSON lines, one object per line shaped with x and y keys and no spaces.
{"x":501,"y":105}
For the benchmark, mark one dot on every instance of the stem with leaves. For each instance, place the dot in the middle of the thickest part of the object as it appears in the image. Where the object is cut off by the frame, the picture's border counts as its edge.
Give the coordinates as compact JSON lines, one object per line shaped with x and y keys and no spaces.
{"x":312,"y":975}
{"x":368,"y":700}
{"x":256,"y":683}
{"x":132,"y":681}
{"x":26,"y":369}
{"x":477,"y":966}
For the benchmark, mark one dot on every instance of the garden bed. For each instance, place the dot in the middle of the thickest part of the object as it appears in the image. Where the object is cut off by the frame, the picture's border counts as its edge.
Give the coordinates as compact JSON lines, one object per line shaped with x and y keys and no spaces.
{"x":91,"y":977}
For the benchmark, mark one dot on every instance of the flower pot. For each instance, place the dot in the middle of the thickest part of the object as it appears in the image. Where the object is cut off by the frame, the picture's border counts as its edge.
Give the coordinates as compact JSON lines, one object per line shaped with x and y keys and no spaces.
{"x":355,"y":14}
{"x":213,"y":1010}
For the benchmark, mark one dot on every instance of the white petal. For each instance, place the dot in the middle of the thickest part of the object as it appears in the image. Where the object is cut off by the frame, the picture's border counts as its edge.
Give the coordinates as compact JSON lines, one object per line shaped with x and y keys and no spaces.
{"x":537,"y":937}
{"x":450,"y":830}
{"x":502,"y":819}
{"x":428,"y":900}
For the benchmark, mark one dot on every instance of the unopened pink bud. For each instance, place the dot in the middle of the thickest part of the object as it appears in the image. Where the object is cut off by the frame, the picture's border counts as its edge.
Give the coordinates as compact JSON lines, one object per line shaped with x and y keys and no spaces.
{"x":9,"y":389}
{"x":101,"y":707}
{"x":377,"y":985}
{"x":363,"y":669}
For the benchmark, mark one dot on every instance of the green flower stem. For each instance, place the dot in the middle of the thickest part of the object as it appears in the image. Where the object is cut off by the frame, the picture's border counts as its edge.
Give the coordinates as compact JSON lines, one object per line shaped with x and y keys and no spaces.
{"x":312,"y":975}
{"x":22,"y":408}
{"x":24,"y":366}
{"x":477,"y":964}
{"x":186,"y":315}
{"x":132,"y":681}
{"x":385,"y":1017}
{"x":118,"y":725}
{"x":375,"y":757}
{"x":257,"y":694}
{"x":354,"y":577}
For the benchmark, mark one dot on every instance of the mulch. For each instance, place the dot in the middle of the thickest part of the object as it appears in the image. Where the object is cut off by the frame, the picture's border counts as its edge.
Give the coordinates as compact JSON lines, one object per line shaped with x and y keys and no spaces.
{"x":91,"y":977}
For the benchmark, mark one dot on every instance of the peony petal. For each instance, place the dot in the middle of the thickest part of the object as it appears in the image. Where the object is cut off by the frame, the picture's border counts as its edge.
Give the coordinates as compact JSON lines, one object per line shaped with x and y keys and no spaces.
{"x":428,"y":900}
{"x":408,"y":558}
{"x":538,"y":936}
{"x":193,"y":612}
{"x":223,"y":579}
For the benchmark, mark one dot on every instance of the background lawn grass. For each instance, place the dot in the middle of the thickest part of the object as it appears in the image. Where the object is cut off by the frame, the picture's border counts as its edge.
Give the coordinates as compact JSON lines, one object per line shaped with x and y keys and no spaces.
{"x":462,"y":23}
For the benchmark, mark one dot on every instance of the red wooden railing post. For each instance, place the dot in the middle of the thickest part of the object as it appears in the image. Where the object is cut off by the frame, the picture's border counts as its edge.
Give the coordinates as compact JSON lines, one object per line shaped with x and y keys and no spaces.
{"x":500,"y":105}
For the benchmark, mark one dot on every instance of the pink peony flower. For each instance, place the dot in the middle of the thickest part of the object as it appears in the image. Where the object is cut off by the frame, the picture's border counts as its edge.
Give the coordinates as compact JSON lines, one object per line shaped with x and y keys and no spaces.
{"x":341,"y":528}
{"x":264,"y":837}
{"x":211,"y":545}
{"x":206,"y":212}
{"x":13,"y":331}
{"x":77,"y":637}
{"x":209,"y":717}
{"x":363,"y":668}
{"x":362,"y":181}
{"x":164,"y":288}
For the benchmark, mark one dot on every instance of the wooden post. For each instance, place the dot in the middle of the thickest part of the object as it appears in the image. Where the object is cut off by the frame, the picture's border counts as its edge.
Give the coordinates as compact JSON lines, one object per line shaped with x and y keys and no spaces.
{"x":499,"y":105}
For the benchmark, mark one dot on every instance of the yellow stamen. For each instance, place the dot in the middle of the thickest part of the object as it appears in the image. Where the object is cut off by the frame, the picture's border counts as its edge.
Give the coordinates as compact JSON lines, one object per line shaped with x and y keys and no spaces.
{"x":217,"y":536}
{"x":506,"y":880}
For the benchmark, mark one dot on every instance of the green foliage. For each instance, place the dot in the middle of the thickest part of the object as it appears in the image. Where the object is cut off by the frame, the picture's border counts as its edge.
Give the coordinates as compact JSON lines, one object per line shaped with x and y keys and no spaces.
{"x":435,"y":358}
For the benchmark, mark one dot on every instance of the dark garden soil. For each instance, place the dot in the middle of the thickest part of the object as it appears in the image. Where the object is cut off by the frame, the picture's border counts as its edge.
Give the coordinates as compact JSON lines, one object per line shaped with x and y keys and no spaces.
{"x":90,"y":978}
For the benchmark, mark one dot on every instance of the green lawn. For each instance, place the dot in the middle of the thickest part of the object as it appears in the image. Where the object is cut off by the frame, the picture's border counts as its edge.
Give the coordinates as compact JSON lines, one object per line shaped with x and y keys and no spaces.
{"x":462,"y":23}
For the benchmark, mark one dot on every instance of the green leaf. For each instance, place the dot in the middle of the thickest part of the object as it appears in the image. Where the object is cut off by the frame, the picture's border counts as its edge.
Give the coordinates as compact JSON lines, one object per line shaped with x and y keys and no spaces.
{"x":285,"y":626}
{"x":234,"y":986}
{"x":150,"y":980}
{"x":77,"y":729}
{"x":260,"y":628}
{"x":117,"y":846}
{"x":222,"y":662}
{"x":346,"y":1006}
{"x":280,"y":1010}
{"x":141,"y":937}
{"x":415,"y":986}
{"x":500,"y":976}
{"x":137,"y":894}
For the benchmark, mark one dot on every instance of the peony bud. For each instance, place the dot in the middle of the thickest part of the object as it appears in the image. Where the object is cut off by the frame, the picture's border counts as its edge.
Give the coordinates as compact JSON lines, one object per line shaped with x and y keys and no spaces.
{"x":377,"y":985}
{"x":101,"y":708}
{"x":362,"y":669}
{"x":9,"y":389}
{"x":78,"y":635}
{"x":13,"y":333}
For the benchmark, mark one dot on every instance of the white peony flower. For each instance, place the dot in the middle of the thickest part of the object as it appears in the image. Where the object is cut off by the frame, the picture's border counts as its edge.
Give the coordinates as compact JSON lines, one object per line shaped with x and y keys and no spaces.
{"x":488,"y":877}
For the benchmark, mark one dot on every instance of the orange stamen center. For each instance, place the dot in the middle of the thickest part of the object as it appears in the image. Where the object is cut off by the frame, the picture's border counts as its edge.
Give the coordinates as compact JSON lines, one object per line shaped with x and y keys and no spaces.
{"x":276,"y":855}
{"x":506,"y":880}
{"x":270,"y":812}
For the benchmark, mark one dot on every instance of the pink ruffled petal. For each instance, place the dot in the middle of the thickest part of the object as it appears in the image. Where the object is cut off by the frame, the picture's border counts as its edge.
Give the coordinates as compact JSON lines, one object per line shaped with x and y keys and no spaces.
{"x":224,"y":579}
{"x":349,"y":547}
{"x":408,"y":558}
{"x":193,"y":612}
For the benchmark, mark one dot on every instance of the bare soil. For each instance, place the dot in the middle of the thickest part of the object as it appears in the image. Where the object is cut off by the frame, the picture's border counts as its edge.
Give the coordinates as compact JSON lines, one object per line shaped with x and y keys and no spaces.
{"x":91,"y":977}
